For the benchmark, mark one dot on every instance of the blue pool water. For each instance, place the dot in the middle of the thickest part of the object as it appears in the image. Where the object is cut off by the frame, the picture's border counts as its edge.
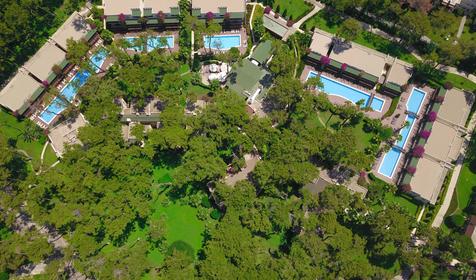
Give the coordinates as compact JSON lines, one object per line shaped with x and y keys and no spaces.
{"x":390,"y":162}
{"x":71,"y":89}
{"x":405,"y":132}
{"x":98,"y":59}
{"x":222,"y":42}
{"x":154,"y":43}
{"x":416,"y":99}
{"x":132,"y":41}
{"x":354,"y":95}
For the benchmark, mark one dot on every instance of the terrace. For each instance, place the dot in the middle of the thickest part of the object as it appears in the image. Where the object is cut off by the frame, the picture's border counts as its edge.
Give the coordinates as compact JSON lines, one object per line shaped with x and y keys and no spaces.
{"x":249,"y":80}
{"x":66,"y":134}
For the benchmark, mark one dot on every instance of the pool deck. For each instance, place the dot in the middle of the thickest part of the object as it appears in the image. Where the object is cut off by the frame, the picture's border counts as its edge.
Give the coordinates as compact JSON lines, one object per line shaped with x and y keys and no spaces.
{"x":175,"y":34}
{"x":341,"y":101}
{"x":244,"y":42}
{"x":41,"y":105}
{"x":396,"y":122}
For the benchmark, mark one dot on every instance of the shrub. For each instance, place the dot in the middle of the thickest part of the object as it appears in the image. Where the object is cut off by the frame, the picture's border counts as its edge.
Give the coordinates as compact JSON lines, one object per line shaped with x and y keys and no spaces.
{"x":45,"y":83}
{"x":432,"y":116}
{"x":418,"y":151}
{"x":471,"y":209}
{"x":406,"y":188}
{"x":448,"y":85}
{"x":425,"y":134}
{"x":285,"y":12}
{"x":210,"y":16}
{"x":122,"y":17}
{"x":362,"y":180}
{"x":267,"y":10}
{"x":206,"y":202}
{"x":215,"y":214}
{"x":456,"y":220}
{"x":472,"y":166}
{"x":386,"y":133}
{"x":227,"y":16}
{"x":182,"y":246}
{"x":325,"y":60}
{"x":343,"y":67}
{"x":411,"y":170}
{"x":289,"y":23}
{"x":57,"y":69}
{"x":161,"y":16}
{"x":276,"y":15}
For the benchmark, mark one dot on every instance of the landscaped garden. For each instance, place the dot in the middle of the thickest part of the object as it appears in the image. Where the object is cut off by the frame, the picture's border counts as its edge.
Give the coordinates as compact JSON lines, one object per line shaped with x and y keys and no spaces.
{"x":293,"y":10}
{"x":27,"y":138}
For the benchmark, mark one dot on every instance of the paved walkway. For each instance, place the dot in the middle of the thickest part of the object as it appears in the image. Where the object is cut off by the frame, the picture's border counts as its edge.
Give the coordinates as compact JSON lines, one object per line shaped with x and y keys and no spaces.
{"x":461,"y":27}
{"x":454,"y":178}
{"x":251,"y":162}
{"x":317,"y":7}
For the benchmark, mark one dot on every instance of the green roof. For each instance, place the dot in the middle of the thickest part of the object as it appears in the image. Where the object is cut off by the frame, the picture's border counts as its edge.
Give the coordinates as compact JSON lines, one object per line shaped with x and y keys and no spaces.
{"x":112,"y":18}
{"x":90,"y":34}
{"x":274,"y":26}
{"x":393,"y":86}
{"x":352,"y":70}
{"x":428,"y":126}
{"x":421,"y":141}
{"x":406,"y":179}
{"x":136,"y":12}
{"x":33,"y":97}
{"x":315,"y":56}
{"x":262,"y":52}
{"x":369,"y":77}
{"x":237,"y":15}
{"x":436,"y":106}
{"x":51,"y":77}
{"x":153,"y":21}
{"x":140,"y":118}
{"x":222,"y":10}
{"x":175,"y":11}
{"x":196,"y":12}
{"x":413,"y":162}
{"x":247,"y":78}
{"x":335,"y":63}
{"x":171,"y":20}
{"x":147,"y":12}
{"x":132,"y":22}
{"x":442,"y":91}
{"x":63,"y":64}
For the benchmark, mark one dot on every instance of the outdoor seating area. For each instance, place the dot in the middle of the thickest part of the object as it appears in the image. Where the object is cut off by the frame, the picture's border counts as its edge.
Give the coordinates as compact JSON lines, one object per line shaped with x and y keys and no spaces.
{"x":215,"y":72}
{"x":65,"y":134}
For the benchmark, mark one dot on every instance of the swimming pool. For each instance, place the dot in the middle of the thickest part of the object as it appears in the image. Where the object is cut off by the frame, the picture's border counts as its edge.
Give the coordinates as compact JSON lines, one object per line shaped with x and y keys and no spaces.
{"x":132,"y":41}
{"x":390,"y":162}
{"x":352,"y":94}
{"x":98,"y":59}
{"x":416,"y":99}
{"x":222,"y":42}
{"x":405,"y":132}
{"x":154,"y":43}
{"x":56,"y":106}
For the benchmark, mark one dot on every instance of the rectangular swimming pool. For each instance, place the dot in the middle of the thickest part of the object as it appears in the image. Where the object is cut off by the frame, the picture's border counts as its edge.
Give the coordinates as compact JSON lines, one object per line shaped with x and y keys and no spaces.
{"x":154,"y":43}
{"x":415,"y":101}
{"x":390,"y":162}
{"x":333,"y":87}
{"x":222,"y":42}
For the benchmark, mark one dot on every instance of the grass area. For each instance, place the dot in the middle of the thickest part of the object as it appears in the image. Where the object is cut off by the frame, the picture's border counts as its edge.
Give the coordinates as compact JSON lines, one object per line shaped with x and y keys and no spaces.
{"x":184,"y":68}
{"x":291,"y":9}
{"x":464,"y":187}
{"x":49,"y":157}
{"x":275,"y":240}
{"x":323,"y":21}
{"x":12,"y":128}
{"x":456,"y":80}
{"x":323,"y":119}
{"x":181,"y":222}
{"x":404,"y":202}
{"x":259,"y":12}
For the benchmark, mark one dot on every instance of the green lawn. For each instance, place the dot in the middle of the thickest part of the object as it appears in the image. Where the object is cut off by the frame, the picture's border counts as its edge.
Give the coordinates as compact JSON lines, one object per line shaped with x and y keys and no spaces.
{"x":320,"y":119}
{"x":181,"y":222}
{"x":404,"y":202}
{"x":456,"y":80}
{"x":291,"y":9}
{"x":49,"y":157}
{"x":13,"y":129}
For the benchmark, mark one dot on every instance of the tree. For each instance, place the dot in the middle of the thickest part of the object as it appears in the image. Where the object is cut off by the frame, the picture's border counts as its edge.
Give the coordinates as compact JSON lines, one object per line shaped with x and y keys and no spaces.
{"x":77,"y":51}
{"x":178,"y":266}
{"x":211,"y":29}
{"x":413,"y":25}
{"x":349,"y":30}
{"x":423,"y":6}
{"x":282,"y":63}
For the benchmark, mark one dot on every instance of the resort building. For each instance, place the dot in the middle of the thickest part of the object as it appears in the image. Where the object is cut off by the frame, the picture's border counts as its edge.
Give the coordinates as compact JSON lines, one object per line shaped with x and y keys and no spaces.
{"x":20,"y":92}
{"x":470,"y":230}
{"x":445,"y":136}
{"x":358,"y":64}
{"x":135,"y":15}
{"x":42,"y":63}
{"x":468,"y":5}
{"x":76,"y":28}
{"x":229,"y":13}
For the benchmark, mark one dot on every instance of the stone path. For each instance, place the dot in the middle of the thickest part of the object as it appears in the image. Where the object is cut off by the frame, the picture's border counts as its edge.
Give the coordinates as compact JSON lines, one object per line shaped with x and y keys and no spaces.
{"x":317,"y":7}
{"x":461,"y":27}
{"x":454,"y":178}
{"x":251,"y":162}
